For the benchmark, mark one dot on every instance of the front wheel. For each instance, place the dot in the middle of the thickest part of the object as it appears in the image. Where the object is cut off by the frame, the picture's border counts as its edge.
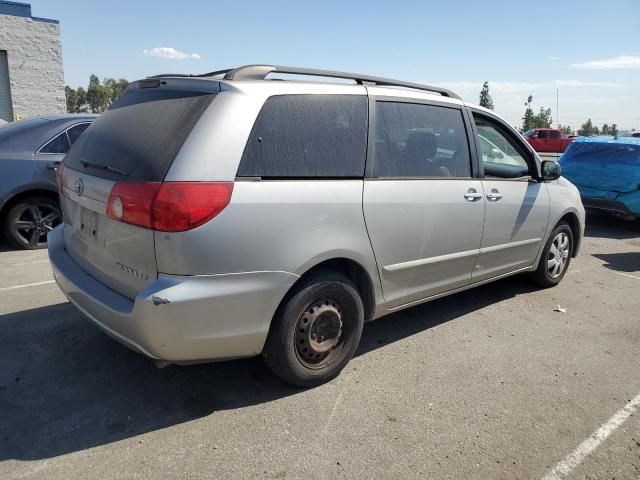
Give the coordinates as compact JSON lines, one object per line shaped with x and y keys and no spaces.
{"x":555,"y":257}
{"x":316,"y":331}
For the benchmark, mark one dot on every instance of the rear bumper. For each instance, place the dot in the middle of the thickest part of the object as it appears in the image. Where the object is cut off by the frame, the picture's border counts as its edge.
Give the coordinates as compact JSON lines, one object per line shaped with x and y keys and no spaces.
{"x":179,"y":319}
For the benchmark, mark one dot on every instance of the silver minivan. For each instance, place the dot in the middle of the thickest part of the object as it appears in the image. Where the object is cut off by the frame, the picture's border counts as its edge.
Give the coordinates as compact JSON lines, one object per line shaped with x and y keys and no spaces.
{"x":234,"y":214}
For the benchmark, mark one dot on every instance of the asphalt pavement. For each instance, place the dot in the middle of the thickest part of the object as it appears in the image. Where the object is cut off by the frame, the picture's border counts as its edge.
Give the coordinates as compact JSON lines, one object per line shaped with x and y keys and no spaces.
{"x":492,"y":383}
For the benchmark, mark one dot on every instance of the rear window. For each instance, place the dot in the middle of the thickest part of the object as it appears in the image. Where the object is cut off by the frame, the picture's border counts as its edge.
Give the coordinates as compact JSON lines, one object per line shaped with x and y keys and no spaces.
{"x":308,"y":136}
{"x":140,"y":135}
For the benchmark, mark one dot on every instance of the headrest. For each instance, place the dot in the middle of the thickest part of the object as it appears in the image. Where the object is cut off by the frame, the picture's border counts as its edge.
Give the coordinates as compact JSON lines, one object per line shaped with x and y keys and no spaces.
{"x":421,"y":145}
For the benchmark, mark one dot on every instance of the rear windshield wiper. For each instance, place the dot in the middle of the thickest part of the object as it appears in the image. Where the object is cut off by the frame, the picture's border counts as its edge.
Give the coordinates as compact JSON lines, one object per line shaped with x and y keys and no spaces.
{"x":88,"y":163}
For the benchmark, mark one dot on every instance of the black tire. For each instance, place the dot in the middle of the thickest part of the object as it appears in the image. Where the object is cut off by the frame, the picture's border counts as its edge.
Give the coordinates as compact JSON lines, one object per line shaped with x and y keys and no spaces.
{"x":546,"y":276}
{"x":28,"y":221}
{"x":324,"y":304}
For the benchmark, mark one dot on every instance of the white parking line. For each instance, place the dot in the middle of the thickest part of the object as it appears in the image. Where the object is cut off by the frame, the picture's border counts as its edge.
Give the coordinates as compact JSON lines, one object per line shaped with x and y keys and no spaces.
{"x":4,"y":289}
{"x":626,"y":275}
{"x":575,"y":458}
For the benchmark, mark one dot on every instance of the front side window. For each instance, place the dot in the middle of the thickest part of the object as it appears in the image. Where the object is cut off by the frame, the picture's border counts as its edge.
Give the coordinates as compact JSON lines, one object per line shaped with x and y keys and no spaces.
{"x":542,"y":134}
{"x":501,"y":156}
{"x":59,"y":144}
{"x":414,"y":140}
{"x":308,"y":136}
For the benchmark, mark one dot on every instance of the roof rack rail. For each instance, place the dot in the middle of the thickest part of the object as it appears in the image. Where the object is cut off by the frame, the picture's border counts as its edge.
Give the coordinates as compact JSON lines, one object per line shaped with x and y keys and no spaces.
{"x":189,"y":75}
{"x":260,"y":72}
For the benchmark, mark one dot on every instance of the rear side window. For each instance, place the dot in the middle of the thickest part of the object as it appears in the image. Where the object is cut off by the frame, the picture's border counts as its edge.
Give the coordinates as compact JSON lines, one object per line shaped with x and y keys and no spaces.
{"x":140,"y":135}
{"x":59,"y":144}
{"x":74,"y":132}
{"x":414,"y":140}
{"x":308,"y":136}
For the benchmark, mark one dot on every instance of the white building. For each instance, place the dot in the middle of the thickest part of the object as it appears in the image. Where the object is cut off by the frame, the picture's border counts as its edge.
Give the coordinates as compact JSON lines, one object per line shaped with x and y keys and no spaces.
{"x":31,"y":72}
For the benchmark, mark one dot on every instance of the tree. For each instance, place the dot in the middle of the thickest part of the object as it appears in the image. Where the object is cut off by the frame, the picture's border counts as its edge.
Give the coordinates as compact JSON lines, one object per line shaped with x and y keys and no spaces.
{"x":485,"y":97}
{"x":613,"y":130}
{"x":82,"y":100}
{"x":528,"y":118}
{"x":543,"y":118}
{"x":566,"y":129}
{"x":97,"y":98}
{"x":540,"y":120}
{"x":587,"y":129}
{"x":72,"y":99}
{"x":116,"y":87}
{"x":605,"y":129}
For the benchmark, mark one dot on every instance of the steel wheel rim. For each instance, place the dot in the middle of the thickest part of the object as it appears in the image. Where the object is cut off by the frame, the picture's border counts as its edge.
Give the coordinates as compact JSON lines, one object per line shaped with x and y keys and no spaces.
{"x":34,"y":222}
{"x":558,"y":255}
{"x":320,"y":333}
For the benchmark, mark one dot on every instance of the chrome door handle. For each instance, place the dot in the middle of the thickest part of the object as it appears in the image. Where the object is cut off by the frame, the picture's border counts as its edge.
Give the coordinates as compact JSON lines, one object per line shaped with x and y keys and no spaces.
{"x":494,"y":196}
{"x":472,"y":195}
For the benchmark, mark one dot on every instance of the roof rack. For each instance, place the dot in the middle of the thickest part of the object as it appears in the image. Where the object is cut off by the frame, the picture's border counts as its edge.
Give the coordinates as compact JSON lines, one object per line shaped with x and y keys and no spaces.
{"x":189,"y":75}
{"x":260,"y":72}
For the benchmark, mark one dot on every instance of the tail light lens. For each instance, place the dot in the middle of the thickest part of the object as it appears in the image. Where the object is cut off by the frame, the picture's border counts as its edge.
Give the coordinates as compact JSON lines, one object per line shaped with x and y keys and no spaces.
{"x":59,"y":177}
{"x":168,"y":206}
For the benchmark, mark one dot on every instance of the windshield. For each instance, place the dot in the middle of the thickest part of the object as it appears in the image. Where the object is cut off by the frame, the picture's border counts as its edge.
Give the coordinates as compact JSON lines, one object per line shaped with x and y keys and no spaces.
{"x":529,"y":133}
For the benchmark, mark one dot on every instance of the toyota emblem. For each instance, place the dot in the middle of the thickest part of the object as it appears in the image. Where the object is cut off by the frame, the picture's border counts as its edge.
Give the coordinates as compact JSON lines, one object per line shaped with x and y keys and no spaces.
{"x":79,"y":186}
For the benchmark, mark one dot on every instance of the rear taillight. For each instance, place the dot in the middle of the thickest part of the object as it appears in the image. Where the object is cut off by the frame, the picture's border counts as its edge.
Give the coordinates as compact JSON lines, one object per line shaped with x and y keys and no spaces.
{"x":59,"y":177}
{"x":168,"y":206}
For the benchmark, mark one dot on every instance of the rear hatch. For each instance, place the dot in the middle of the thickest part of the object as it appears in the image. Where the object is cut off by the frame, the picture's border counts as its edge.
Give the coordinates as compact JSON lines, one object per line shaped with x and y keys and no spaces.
{"x":133,"y":143}
{"x":613,"y":167}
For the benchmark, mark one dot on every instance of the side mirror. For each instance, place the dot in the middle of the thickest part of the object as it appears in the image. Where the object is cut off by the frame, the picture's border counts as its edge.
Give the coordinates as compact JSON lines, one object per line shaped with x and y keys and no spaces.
{"x":551,"y":170}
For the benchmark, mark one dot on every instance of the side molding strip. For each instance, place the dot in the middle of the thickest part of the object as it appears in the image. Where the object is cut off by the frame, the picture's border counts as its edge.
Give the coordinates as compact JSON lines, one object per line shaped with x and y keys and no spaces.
{"x":398,"y":267}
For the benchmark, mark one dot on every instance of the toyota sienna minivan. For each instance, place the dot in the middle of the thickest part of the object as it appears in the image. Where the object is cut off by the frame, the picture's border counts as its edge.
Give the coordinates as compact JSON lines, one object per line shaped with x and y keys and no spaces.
{"x":234,"y":214}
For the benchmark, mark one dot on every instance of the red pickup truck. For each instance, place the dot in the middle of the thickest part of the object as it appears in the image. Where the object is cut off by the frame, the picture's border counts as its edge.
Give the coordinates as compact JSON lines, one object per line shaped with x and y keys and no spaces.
{"x":548,"y":140}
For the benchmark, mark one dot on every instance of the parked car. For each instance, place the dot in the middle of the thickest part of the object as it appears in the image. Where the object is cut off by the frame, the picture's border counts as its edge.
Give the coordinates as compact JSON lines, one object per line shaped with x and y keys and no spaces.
{"x":30,"y":151}
{"x":550,"y":143}
{"x":226,"y":215}
{"x":635,"y":135}
{"x":607,"y":173}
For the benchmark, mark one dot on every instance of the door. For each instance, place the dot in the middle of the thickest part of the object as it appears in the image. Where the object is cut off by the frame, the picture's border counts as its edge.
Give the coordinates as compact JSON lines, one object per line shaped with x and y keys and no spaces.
{"x":554,"y":141}
{"x":423,"y":209}
{"x":517,"y":204}
{"x":49,"y":156}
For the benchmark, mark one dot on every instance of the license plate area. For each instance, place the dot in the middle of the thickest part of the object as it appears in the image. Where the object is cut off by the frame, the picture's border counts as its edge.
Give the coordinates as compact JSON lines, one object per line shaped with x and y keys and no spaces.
{"x":87,"y":227}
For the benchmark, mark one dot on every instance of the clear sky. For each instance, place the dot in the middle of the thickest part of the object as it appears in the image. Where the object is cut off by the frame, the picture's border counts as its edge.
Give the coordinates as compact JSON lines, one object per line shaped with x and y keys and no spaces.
{"x":588,"y":50}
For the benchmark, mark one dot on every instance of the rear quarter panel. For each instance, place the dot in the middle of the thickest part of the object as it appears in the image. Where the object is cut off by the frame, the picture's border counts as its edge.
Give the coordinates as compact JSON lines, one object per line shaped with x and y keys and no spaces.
{"x":283,"y":225}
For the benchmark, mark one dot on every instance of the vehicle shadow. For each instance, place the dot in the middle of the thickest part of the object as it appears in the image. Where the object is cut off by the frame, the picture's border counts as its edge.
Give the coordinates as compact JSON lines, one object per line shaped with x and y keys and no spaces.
{"x":5,"y":247}
{"x":66,"y":387}
{"x":599,"y":225}
{"x":621,"y":262}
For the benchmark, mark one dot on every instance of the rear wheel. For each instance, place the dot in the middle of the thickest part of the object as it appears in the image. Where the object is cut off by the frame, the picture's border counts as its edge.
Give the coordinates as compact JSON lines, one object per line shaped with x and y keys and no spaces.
{"x":316,"y":331}
{"x":555,"y":257}
{"x":27,"y":223}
